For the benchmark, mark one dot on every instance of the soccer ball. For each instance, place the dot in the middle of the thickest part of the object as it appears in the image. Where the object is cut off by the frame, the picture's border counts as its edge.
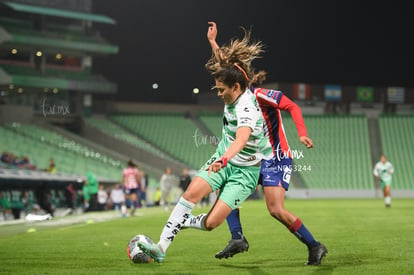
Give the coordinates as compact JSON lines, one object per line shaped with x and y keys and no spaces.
{"x":135,"y":254}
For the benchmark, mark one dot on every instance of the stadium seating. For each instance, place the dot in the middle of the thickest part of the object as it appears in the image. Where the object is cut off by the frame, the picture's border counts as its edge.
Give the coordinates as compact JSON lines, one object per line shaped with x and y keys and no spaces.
{"x":40,"y":145}
{"x":341,"y":158}
{"x":398,"y":146}
{"x":120,"y":133}
{"x":173,"y":133}
{"x":214,"y":122}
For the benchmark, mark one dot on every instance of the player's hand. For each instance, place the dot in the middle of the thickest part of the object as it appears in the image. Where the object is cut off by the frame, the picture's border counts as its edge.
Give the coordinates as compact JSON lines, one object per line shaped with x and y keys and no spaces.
{"x":212,"y":31}
{"x":214,"y":167}
{"x":306,"y":141}
{"x":217,"y":165}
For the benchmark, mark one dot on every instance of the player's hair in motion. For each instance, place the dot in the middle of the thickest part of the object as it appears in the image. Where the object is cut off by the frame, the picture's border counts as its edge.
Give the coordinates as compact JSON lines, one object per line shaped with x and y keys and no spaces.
{"x":231,"y":63}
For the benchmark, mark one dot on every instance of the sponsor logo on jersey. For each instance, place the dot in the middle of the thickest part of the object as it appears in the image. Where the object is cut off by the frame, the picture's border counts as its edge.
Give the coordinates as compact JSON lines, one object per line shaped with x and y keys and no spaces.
{"x":273,"y":94}
{"x":251,"y":158}
{"x":270,"y":93}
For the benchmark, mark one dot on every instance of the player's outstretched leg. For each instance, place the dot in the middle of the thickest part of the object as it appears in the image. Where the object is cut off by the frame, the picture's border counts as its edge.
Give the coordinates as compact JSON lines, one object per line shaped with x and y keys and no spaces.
{"x":316,"y":249}
{"x":316,"y":254}
{"x":152,"y":250}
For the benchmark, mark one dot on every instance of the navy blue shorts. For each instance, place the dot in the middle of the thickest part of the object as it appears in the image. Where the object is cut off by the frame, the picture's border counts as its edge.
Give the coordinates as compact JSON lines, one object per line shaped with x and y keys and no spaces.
{"x":131,"y":191}
{"x":276,"y":172}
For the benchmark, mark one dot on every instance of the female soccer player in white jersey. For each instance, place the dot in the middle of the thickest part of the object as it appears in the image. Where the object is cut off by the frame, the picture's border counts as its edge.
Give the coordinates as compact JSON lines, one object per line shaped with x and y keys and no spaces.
{"x":233,"y":169}
{"x":275,"y":173}
{"x":383,"y":170}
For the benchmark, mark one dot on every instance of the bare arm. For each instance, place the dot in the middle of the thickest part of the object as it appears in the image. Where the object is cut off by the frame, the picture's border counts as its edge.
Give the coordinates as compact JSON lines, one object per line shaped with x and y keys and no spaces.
{"x":212,"y":35}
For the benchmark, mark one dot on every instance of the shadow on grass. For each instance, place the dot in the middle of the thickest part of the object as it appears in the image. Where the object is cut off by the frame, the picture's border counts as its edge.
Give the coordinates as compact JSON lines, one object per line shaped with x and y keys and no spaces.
{"x":263,"y":267}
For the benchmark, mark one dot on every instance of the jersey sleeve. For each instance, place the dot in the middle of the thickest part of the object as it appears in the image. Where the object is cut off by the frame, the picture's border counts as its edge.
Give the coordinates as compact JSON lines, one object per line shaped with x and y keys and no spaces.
{"x":268,"y":98}
{"x":276,"y":99}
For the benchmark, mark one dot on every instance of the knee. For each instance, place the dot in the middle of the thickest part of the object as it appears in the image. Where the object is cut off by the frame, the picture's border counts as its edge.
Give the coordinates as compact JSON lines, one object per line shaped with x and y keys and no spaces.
{"x":276,"y":212}
{"x":190,"y":196}
{"x":210,"y":224}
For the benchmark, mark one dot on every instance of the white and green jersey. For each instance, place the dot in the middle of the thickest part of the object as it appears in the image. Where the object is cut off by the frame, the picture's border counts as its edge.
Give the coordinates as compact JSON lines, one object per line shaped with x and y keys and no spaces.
{"x":384,"y":171}
{"x":245,"y":112}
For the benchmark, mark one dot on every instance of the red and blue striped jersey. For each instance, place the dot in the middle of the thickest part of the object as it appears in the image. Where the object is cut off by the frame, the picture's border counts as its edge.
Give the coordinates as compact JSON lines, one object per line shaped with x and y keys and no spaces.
{"x":271,"y":102}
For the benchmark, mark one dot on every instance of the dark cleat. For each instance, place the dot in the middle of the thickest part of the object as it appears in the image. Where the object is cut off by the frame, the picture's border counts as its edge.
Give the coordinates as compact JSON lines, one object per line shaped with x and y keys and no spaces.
{"x":234,"y":247}
{"x":316,"y":254}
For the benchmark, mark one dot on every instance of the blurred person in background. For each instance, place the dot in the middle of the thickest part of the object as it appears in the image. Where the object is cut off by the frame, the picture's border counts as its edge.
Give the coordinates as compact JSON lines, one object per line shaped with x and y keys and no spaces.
{"x":166,"y":184}
{"x":131,"y":179}
{"x":69,"y":194}
{"x":383,"y":170}
{"x":157,"y":196}
{"x":85,"y":196}
{"x":142,"y":195}
{"x":52,"y":167}
{"x":102,"y":198}
{"x":4,"y":206}
{"x":185,"y":180}
{"x":92,"y":189}
{"x":117,"y":197}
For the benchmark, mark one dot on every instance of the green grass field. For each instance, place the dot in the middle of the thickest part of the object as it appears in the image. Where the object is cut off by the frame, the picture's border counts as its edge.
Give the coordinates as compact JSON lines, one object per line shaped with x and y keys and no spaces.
{"x":362,"y":236}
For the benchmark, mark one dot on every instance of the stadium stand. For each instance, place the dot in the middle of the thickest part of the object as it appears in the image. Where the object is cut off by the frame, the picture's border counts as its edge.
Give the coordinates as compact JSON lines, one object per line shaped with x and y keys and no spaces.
{"x":46,"y":57}
{"x":341,"y":158}
{"x":120,"y":133}
{"x":41,"y":144}
{"x":213,"y":122}
{"x":174,"y":133}
{"x":398,"y":145}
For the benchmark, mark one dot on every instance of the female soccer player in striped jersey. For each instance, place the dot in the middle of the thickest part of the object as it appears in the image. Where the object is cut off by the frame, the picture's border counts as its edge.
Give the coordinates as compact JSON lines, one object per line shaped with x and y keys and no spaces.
{"x":234,"y":168}
{"x":131,"y":179}
{"x":275,"y":173}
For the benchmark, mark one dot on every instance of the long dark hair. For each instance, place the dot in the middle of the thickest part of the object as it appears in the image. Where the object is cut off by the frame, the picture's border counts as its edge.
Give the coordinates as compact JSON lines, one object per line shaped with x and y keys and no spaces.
{"x":230,"y":75}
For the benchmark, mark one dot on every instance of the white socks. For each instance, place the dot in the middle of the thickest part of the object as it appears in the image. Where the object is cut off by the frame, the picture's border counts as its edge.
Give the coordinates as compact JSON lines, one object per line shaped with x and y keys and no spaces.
{"x":179,"y":215}
{"x":387,"y":200}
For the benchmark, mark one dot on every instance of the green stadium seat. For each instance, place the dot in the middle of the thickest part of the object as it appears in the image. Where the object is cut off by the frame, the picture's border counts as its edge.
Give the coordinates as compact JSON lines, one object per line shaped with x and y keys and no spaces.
{"x":398,"y":145}
{"x":40,"y":145}
{"x":173,"y":133}
{"x":341,"y":158}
